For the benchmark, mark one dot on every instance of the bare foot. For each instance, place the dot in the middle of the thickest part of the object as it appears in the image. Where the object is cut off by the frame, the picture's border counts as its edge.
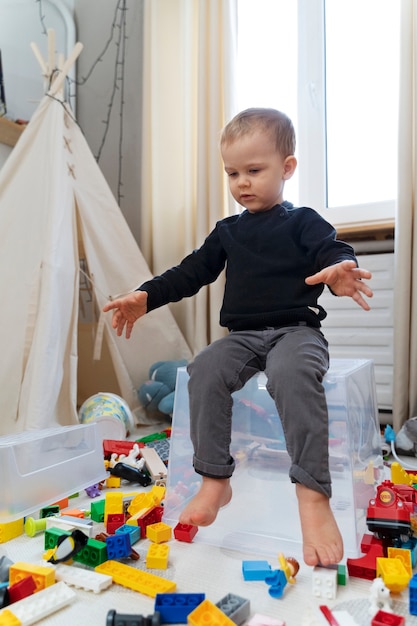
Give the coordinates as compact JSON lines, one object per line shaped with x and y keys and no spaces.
{"x":322,"y":541}
{"x":203,"y":508}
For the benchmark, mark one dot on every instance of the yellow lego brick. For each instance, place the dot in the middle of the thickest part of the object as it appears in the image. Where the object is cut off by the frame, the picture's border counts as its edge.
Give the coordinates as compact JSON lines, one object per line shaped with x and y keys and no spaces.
{"x":132,"y":578}
{"x":112,"y":482}
{"x":7,"y":618}
{"x":393,"y":573}
{"x":158,"y":494}
{"x":133,"y":520}
{"x":158,"y":532}
{"x":405,"y":557}
{"x":43,"y":576}
{"x":400,"y":477}
{"x":142,"y":501}
{"x":113,"y":504}
{"x":208,"y":614}
{"x":157,"y":556}
{"x":10,"y":530}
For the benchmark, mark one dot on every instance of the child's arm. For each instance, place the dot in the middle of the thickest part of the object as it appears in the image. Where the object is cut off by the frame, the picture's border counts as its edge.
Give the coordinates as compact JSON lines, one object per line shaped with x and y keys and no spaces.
{"x":345,"y":279}
{"x":127,"y":310}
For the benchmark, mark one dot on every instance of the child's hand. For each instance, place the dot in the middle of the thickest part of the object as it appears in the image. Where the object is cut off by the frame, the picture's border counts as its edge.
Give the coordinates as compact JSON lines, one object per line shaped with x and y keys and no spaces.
{"x":345,"y":279}
{"x":127,"y":310}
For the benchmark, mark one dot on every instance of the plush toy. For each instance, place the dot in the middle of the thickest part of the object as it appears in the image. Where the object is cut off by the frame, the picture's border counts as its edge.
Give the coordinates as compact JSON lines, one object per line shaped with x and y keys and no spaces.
{"x":157,"y":394}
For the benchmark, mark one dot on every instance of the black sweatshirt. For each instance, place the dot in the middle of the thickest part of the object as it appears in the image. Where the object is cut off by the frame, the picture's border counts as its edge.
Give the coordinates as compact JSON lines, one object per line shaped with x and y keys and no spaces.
{"x":267,"y":256}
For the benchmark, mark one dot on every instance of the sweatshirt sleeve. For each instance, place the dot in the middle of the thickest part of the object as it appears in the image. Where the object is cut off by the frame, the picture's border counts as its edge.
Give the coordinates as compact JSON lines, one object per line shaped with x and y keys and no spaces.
{"x":197,"y":269}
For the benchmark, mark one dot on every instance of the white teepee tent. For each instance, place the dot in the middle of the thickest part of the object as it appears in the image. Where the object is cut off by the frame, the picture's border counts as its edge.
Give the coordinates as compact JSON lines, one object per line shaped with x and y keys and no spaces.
{"x":51,"y":189}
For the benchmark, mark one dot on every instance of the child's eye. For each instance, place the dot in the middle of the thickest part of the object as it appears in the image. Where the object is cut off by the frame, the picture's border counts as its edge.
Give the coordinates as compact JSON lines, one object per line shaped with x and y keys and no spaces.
{"x":232,"y":174}
{"x":253,"y":171}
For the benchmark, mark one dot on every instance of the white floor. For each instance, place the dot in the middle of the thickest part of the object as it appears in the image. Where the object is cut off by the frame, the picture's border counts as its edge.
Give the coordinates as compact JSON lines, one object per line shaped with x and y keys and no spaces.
{"x":201,"y":567}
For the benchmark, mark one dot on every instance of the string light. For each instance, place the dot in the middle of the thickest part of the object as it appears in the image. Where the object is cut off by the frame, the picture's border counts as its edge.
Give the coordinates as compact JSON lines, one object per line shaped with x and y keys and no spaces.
{"x":117,"y":36}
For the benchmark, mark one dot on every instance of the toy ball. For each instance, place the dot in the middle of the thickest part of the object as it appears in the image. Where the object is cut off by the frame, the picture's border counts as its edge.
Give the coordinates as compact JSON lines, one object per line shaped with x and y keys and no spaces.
{"x":111,"y":414}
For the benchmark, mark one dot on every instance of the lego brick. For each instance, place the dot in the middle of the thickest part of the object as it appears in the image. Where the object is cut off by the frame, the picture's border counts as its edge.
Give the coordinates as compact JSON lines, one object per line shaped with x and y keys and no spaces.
{"x":97,"y":510}
{"x":393,"y":573}
{"x":118,"y":546}
{"x":21,"y":589}
{"x":412,"y":594}
{"x":235,"y":607}
{"x":134,"y":532}
{"x":9,"y":619}
{"x":324,"y":581}
{"x":52,"y":535}
{"x":66,"y":522}
{"x":43,"y":576}
{"x":382,"y":618}
{"x":119,"y":619}
{"x":208,"y":614}
{"x":263,"y":620}
{"x":93,"y":554}
{"x":174,"y":608}
{"x":157,"y":556}
{"x":159,"y":532}
{"x":185,"y":532}
{"x":255,"y":570}
{"x":10,"y":530}
{"x":39,"y":605}
{"x":154,"y":464}
{"x":132,"y":578}
{"x":82,"y":578}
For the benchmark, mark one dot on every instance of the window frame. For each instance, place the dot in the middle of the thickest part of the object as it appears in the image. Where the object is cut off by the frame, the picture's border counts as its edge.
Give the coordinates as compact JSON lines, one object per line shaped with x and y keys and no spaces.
{"x":311,"y":131}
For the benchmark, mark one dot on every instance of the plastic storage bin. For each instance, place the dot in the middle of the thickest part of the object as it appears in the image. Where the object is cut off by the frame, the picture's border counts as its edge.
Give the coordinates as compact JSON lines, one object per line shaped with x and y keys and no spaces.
{"x":263,"y":514}
{"x":43,"y":466}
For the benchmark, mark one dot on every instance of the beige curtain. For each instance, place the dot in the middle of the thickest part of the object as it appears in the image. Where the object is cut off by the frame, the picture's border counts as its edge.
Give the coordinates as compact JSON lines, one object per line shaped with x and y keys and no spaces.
{"x":405,"y":312}
{"x":189,"y":54}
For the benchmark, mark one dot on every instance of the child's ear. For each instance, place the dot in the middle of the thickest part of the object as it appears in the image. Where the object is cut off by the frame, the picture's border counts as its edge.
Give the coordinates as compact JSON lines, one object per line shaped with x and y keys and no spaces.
{"x":290,"y":164}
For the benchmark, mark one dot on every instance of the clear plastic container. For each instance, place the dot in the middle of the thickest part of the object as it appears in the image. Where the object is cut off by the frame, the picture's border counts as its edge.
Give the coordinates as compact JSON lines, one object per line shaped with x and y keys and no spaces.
{"x":42,"y":466}
{"x":263,"y":514}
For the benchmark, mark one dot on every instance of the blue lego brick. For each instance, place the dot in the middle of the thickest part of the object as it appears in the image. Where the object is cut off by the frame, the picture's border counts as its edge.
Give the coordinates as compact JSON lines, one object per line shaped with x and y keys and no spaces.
{"x":129,"y":528}
{"x":412,"y":592}
{"x":235,"y":608}
{"x":174,"y":608}
{"x":118,"y":546}
{"x":255,"y":570}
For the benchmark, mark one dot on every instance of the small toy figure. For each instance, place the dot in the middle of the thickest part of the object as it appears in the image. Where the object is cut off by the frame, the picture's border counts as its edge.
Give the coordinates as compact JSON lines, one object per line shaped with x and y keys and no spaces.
{"x":68,"y":546}
{"x":379,"y":597}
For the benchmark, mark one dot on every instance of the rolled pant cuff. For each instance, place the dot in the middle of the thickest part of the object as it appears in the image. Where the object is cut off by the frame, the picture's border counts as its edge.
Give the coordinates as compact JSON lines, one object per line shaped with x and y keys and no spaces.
{"x":298,"y":475}
{"x":213,"y":471}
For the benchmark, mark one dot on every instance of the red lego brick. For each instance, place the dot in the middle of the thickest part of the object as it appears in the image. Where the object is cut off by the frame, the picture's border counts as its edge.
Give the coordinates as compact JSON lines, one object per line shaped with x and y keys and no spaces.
{"x":365,"y":566}
{"x":382,"y":618}
{"x":185,"y":532}
{"x":22,"y":589}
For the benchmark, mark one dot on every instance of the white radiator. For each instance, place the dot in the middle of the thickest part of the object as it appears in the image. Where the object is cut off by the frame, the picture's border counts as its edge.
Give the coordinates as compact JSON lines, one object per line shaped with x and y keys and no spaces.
{"x":354,"y":333}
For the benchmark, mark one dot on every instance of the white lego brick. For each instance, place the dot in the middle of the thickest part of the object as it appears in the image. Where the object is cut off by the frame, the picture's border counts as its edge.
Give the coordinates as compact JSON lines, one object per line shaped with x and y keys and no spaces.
{"x":344,"y":618}
{"x":41,"y":604}
{"x":324,"y":583}
{"x":82,"y":578}
{"x":67,"y":522}
{"x":263,"y":620}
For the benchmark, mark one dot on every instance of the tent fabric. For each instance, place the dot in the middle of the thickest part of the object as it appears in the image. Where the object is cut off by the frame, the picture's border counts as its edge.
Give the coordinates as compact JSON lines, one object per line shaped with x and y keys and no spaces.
{"x":51,"y":189}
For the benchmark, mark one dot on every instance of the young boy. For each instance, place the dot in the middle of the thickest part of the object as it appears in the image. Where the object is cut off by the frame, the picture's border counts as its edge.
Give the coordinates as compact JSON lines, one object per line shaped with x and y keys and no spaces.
{"x":277,"y":260}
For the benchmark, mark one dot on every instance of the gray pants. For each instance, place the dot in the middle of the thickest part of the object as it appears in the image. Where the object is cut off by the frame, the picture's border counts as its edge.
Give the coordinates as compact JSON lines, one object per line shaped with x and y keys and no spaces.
{"x":295,"y":360}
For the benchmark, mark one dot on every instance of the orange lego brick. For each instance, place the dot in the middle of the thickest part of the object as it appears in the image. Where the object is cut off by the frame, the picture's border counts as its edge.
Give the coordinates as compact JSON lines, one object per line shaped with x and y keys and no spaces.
{"x":208,"y":614}
{"x":43,"y":576}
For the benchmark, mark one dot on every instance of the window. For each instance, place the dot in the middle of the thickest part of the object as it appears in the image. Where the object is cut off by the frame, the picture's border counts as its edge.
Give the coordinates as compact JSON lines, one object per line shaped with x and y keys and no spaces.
{"x":333,"y":67}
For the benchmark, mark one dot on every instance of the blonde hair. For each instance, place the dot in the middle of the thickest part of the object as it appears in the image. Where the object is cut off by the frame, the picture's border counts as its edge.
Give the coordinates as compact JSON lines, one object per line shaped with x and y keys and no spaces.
{"x":274,"y":122}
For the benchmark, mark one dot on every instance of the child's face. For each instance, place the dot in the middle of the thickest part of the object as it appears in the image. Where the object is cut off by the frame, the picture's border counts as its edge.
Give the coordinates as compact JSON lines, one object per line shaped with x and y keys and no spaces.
{"x":256,"y":170}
